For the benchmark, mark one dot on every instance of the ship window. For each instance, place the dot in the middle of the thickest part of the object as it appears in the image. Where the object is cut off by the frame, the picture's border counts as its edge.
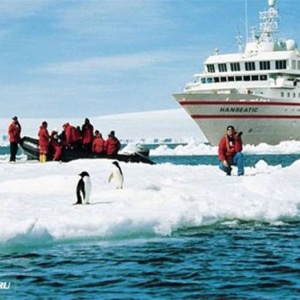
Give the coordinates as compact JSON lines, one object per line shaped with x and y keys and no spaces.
{"x":210,"y":68}
{"x":250,"y":66}
{"x":216,"y":79}
{"x":298,"y":65}
{"x":223,"y":79}
{"x":294,"y":95}
{"x":246,"y":78}
{"x":235,"y":67}
{"x":264,"y":65}
{"x":209,"y":80}
{"x":254,"y":78}
{"x":238,"y":78}
{"x":222,"y":67}
{"x":282,"y":94}
{"x":263,"y":77}
{"x":293,"y":64}
{"x":289,"y":94}
{"x":230,"y":78}
{"x":202,"y":80}
{"x":280,"y":64}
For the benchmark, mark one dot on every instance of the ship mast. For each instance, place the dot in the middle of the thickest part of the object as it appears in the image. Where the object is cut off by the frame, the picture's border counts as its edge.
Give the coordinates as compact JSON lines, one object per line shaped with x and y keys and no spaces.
{"x":246,"y":19}
{"x":269,"y":23}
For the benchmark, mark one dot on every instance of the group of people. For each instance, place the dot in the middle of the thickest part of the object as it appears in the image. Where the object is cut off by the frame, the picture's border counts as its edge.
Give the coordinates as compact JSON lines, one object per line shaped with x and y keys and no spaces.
{"x":80,"y":139}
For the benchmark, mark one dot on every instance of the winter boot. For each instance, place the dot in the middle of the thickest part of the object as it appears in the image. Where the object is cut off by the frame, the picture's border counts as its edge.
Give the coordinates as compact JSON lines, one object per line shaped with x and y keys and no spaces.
{"x":42,"y":158}
{"x":228,"y":171}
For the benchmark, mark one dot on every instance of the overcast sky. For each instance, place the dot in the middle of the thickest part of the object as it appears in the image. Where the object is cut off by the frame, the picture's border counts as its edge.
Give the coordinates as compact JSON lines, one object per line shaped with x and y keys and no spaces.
{"x":77,"y":58}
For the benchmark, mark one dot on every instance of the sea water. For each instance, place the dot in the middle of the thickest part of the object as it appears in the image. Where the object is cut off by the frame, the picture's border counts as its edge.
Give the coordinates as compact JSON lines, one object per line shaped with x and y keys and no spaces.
{"x":228,"y":260}
{"x":250,"y":160}
{"x":237,"y":261}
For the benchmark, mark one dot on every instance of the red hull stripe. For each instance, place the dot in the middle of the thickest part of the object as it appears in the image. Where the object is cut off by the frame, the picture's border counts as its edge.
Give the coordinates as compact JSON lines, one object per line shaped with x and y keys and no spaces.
{"x":183,"y":103}
{"x":244,"y":117}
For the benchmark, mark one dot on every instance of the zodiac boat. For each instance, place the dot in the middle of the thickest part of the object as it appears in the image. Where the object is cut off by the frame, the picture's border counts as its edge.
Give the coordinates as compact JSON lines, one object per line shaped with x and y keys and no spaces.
{"x":30,"y":147}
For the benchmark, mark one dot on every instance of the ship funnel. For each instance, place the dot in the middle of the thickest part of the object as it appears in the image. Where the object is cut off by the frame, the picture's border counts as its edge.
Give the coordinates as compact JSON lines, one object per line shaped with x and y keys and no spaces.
{"x":271,"y":2}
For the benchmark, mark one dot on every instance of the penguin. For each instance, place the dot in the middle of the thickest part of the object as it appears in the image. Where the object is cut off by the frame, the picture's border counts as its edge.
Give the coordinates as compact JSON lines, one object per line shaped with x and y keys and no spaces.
{"x":83,"y":189}
{"x":117,"y":176}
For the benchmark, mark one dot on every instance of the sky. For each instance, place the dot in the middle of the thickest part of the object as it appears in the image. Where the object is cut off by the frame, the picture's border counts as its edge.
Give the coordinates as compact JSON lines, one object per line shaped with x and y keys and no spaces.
{"x":64,"y":58}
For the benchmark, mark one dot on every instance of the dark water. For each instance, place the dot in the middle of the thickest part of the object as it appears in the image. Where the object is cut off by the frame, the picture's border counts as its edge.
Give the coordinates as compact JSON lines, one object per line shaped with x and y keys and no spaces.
{"x":5,"y":150}
{"x":250,"y":261}
{"x":250,"y":160}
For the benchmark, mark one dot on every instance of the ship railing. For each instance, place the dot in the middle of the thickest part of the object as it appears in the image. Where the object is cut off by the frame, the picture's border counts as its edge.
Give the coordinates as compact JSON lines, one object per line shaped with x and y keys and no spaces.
{"x":192,"y":86}
{"x":228,"y":91}
{"x":287,"y":83}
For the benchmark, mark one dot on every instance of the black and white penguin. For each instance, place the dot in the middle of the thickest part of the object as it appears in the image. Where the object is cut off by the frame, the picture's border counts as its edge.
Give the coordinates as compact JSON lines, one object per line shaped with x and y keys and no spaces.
{"x":116,"y":176}
{"x":83,"y":189}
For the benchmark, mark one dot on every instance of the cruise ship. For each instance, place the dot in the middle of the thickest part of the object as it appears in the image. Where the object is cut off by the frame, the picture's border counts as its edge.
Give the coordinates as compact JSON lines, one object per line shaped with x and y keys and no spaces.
{"x":257,"y":90}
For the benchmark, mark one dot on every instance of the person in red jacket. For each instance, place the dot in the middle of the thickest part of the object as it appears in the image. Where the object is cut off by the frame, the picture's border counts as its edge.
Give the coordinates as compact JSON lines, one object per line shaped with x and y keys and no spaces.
{"x":72,"y":136}
{"x":98,"y":143}
{"x":54,"y":142}
{"x":230,"y":151}
{"x":14,"y":133}
{"x":87,"y":134}
{"x":112,"y":144}
{"x":44,"y":140}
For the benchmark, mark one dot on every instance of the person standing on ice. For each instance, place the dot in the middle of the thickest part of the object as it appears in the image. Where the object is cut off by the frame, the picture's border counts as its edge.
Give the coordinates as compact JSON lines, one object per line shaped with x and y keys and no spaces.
{"x":230,"y":151}
{"x":14,"y":133}
{"x":44,"y":140}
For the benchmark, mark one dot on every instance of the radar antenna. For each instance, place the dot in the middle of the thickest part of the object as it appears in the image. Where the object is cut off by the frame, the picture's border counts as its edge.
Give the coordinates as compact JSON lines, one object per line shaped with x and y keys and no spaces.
{"x":269,"y":22}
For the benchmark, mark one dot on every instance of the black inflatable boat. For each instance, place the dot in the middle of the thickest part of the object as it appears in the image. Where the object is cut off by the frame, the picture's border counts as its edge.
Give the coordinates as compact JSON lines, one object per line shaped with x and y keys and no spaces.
{"x":30,"y":147}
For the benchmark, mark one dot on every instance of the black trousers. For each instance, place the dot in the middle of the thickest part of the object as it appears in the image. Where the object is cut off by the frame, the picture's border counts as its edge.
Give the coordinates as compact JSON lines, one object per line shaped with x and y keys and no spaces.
{"x":13,"y":151}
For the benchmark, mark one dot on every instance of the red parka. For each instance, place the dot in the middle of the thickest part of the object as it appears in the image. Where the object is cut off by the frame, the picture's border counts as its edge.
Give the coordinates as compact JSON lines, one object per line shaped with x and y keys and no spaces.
{"x":72,"y":134}
{"x":55,"y":145}
{"x":98,"y":145}
{"x":14,"y":132}
{"x":44,"y":139}
{"x":228,"y":147}
{"x":87,"y":134}
{"x":112,"y":146}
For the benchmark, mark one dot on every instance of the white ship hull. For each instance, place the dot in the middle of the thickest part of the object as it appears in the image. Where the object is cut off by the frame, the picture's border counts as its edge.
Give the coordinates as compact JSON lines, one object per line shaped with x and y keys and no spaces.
{"x":262,"y":120}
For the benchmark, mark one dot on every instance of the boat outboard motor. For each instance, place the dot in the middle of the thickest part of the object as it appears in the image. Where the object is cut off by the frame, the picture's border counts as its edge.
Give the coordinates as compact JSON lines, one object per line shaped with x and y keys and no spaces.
{"x":139,"y":149}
